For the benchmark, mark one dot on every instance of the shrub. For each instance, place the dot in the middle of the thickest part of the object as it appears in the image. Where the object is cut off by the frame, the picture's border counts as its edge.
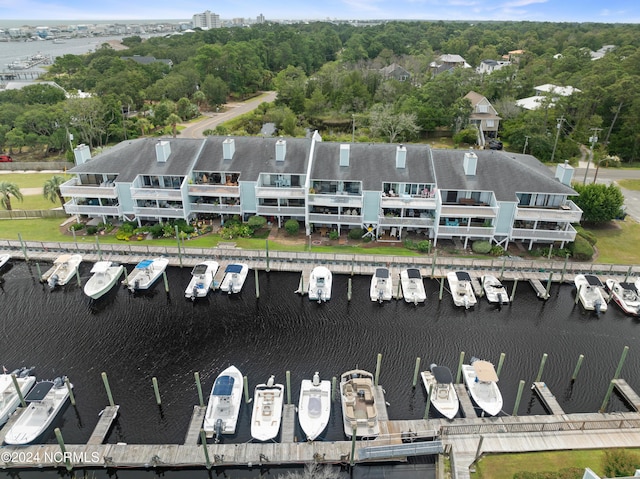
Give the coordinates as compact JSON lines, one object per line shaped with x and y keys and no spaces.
{"x":589,"y":236}
{"x":333,"y":235}
{"x":91,"y":230}
{"x":128,"y":226}
{"x":481,"y":247}
{"x":76,"y":226}
{"x":256,"y":222}
{"x":619,"y":462}
{"x":497,"y":251}
{"x":424,"y":246}
{"x":292,"y":227}
{"x":410,"y":244}
{"x":157,"y":230}
{"x":123,"y":235}
{"x":233,"y":230}
{"x":356,"y":233}
{"x":581,"y":250}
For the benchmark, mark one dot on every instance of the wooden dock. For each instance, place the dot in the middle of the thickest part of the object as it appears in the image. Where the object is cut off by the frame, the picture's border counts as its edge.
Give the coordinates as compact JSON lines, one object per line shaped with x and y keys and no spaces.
{"x":627,"y":393}
{"x":219,"y":276}
{"x":105,"y":422}
{"x":396,"y":289}
{"x":287,"y":434}
{"x":303,"y":285}
{"x":465,"y":401}
{"x":193,"y":433}
{"x":547,"y":397}
{"x":540,"y":290}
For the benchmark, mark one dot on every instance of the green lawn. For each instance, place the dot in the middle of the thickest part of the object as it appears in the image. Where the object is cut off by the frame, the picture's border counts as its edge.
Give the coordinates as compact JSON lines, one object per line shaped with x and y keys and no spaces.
{"x":33,"y":202}
{"x":629,"y":184}
{"x":30,"y":180}
{"x":618,"y":242}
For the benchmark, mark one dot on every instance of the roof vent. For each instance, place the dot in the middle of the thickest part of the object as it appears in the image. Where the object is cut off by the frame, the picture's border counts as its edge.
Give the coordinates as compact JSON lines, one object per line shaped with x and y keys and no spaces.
{"x":470,"y":163}
{"x":564,"y":173}
{"x":163,"y":150}
{"x":228,"y":148}
{"x":344,"y":154}
{"x":281,"y":149}
{"x":401,"y":156}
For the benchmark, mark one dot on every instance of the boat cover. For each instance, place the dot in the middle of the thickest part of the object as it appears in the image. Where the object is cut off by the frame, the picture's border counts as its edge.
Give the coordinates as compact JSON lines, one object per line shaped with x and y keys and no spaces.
{"x":144,"y":264}
{"x":315,"y":406}
{"x":414,"y":273}
{"x":629,"y":286}
{"x":223,"y":386}
{"x":463,"y":276}
{"x":62,"y":259}
{"x":199,"y":269}
{"x":484,"y":371}
{"x":442,"y":374}
{"x":233,"y":268}
{"x":592,"y":280}
{"x":39,"y":391}
{"x":382,"y":273}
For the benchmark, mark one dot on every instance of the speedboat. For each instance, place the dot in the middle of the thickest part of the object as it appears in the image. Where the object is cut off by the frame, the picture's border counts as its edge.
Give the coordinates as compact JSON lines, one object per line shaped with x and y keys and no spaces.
{"x":268,"y":400}
{"x":381,"y":287}
{"x":9,"y":399}
{"x":201,"y":282}
{"x":63,"y":269}
{"x":105,"y":275}
{"x":481,"y":380}
{"x":146,"y":273}
{"x":359,"y":410}
{"x":438,"y":382}
{"x":461,"y":289}
{"x":625,"y":295}
{"x":320,"y":284}
{"x":314,"y":406}
{"x":224,"y":403}
{"x":412,"y":286}
{"x":494,"y":290}
{"x":3,"y":259}
{"x":590,"y":292}
{"x":45,"y":402}
{"x":234,"y":277}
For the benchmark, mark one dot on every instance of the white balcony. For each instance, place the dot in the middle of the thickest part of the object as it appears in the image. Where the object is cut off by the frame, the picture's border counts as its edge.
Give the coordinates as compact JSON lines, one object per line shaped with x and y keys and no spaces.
{"x":335,"y":200}
{"x":408,"y":201}
{"x":217,"y":209}
{"x":72,"y":208}
{"x":319,"y":218}
{"x":467,"y":211}
{"x":544,"y":235}
{"x":156,"y":194}
{"x":159,"y":212}
{"x":214,"y":190}
{"x":567,"y":213}
{"x":73,"y":188}
{"x":405,"y":222}
{"x":471,"y":231}
{"x":280,"y":210}
{"x":273,"y":192}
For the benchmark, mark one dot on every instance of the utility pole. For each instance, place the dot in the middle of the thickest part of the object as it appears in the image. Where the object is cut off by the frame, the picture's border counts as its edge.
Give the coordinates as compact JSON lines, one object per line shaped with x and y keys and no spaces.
{"x":558,"y":125}
{"x":593,"y":139}
{"x":353,"y":127}
{"x":526,"y":142}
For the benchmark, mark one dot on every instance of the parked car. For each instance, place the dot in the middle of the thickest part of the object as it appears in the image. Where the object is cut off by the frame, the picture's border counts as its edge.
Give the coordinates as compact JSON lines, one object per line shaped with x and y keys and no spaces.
{"x":494,"y":144}
{"x":5,"y":158}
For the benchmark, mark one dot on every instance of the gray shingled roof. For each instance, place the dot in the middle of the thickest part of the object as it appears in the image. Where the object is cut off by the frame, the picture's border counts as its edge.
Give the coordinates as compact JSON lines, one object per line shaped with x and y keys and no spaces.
{"x":254,"y":155}
{"x":373,"y":164}
{"x":503,"y":172}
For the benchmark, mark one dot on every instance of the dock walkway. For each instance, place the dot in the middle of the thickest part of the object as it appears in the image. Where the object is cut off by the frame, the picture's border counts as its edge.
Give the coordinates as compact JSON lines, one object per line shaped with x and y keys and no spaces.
{"x":105,"y":422}
{"x":548,"y":399}
{"x":627,"y":393}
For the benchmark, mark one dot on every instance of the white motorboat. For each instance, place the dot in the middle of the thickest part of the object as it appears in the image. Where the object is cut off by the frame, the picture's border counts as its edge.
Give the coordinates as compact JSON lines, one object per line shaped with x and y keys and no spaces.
{"x":481,"y":380}
{"x":314,"y":406}
{"x":266,"y":416}
{"x":9,"y":399}
{"x":201,"y":282}
{"x":412,"y":286}
{"x":234,"y":277}
{"x":461,"y":289}
{"x":45,"y":402}
{"x":320,"y":281}
{"x":105,"y":275}
{"x":359,"y":410}
{"x":4,"y":258}
{"x":438,"y":382}
{"x":626,"y":295}
{"x":63,"y":269}
{"x":494,"y":290}
{"x":589,"y":289}
{"x":381,"y":286}
{"x":146,"y":273}
{"x":224,"y":403}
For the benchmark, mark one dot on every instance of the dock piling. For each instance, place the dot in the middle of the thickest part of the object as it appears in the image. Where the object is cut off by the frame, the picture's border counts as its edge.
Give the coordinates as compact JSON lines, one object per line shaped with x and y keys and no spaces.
{"x":267,"y":251}
{"x":513,"y":290}
{"x":500,"y":363}
{"x":78,"y":277}
{"x":156,"y":390}
{"x":378,"y":361}
{"x":288,"y":376}
{"x":105,"y":380}
{"x":626,"y":276}
{"x":203,"y":440}
{"x":577,"y":368}
{"x":415,"y":372}
{"x":605,"y":402}
{"x":354,"y":430}
{"x":67,"y":461}
{"x":518,"y":397}
{"x":504,"y":260}
{"x":39,"y":271}
{"x":460,"y":361}
{"x":179,"y":249}
{"x":426,"y":409}
{"x":257,"y":284}
{"x":247,"y":399}
{"x":349,"y":289}
{"x":333,"y":388}
{"x":72,"y":397}
{"x":433,"y":263}
{"x":441,"y":289}
{"x":548,"y":288}
{"x":98,"y":247}
{"x":23,"y":247}
{"x":564,"y":268}
{"x":578,"y":295}
{"x":166,"y":281}
{"x":18,"y":390}
{"x":621,"y":362}
{"x":541,"y":368}
{"x":196,"y":375}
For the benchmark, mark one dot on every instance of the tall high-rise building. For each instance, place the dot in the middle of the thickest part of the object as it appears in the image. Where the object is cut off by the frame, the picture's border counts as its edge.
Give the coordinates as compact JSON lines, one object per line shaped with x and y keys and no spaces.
{"x":260,"y":18}
{"x":206,"y":20}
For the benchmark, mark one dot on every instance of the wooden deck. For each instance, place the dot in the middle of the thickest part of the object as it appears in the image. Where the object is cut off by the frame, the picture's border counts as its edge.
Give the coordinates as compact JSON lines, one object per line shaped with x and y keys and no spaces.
{"x":465,"y":401}
{"x":287,"y":433}
{"x":540,"y":290}
{"x":627,"y":393}
{"x":219,"y":276}
{"x":548,"y":399}
{"x":193,"y":433}
{"x":105,"y":422}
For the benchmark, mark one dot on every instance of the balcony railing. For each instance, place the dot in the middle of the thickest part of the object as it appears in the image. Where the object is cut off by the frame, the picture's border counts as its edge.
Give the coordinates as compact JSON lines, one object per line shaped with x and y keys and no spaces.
{"x":159,"y":212}
{"x":214,"y":190}
{"x":408,"y":201}
{"x":72,"y":208}
{"x":543,"y":235}
{"x":468,"y":211}
{"x":156,"y":194}
{"x":74,"y":188}
{"x":280,"y":210}
{"x":335,"y":219}
{"x":211,"y":208}
{"x":406,"y":221}
{"x":281,"y":192}
{"x":335,"y":200}
{"x":475,"y":231}
{"x":569,"y":213}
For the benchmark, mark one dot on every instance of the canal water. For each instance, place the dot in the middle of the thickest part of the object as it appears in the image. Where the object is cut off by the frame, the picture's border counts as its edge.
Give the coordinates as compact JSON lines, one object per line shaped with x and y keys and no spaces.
{"x":157,"y":334}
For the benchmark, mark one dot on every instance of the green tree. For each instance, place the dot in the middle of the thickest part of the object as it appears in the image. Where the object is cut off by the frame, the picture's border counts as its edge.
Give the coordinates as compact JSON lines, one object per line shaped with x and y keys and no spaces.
{"x":173,"y":120}
{"x":390,"y":125}
{"x":51,"y":189}
{"x":599,"y":203}
{"x":7,"y":190}
{"x":215,"y":90}
{"x":619,"y":463}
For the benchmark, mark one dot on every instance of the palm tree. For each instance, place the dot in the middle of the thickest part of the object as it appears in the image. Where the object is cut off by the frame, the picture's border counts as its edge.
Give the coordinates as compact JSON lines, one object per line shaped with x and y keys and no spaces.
{"x":7,"y":190}
{"x":51,"y":189}
{"x":173,"y":120}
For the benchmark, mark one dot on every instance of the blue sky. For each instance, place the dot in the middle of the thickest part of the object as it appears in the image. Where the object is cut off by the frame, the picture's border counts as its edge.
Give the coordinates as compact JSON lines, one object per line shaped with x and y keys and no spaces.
{"x":612,"y":11}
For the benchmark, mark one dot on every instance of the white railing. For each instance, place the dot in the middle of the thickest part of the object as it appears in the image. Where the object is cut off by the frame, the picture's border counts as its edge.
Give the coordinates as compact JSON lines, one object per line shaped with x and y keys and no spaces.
{"x":210,"y":208}
{"x":468,"y":211}
{"x":159,"y":212}
{"x":406,"y":221}
{"x":475,"y":231}
{"x":335,"y":200}
{"x":274,"y":192}
{"x":214,"y":190}
{"x":335,"y":219}
{"x":280,"y":210}
{"x":568,"y":213}
{"x":407,"y":201}
{"x":547,"y":235}
{"x":74,"y":188}
{"x":72,"y":208}
{"x":156,"y":194}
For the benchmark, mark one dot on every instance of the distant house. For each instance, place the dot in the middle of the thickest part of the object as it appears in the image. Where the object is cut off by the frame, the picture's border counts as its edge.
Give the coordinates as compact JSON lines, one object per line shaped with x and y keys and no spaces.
{"x":448,"y":62}
{"x":395,"y":72}
{"x":487,"y":67}
{"x":547,"y":93}
{"x":601,"y":52}
{"x":514,"y":55}
{"x":484,"y":117}
{"x":148,"y":60}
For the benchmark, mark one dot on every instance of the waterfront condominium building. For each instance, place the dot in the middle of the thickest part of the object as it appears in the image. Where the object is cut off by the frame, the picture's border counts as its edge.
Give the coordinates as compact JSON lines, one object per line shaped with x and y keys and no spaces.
{"x":388,"y":190}
{"x":206,"y":20}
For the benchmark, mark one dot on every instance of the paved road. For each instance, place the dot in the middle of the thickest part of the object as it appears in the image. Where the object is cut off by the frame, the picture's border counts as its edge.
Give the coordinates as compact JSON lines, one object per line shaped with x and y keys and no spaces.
{"x":231,"y":110}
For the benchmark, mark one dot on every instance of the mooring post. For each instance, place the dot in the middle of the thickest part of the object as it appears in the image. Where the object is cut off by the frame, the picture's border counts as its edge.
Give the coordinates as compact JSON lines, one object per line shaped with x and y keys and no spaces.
{"x":203,"y":440}
{"x":603,"y":408}
{"x":67,"y":461}
{"x":378,"y":361}
{"x":23,"y":247}
{"x":518,"y":397}
{"x":441,"y":288}
{"x":578,"y":295}
{"x":460,"y":361}
{"x":433,"y":263}
{"x":334,"y":381}
{"x":18,"y":390}
{"x":78,"y":277}
{"x":415,"y":372}
{"x":621,"y":362}
{"x":39,"y":271}
{"x":564,"y":267}
{"x":577,"y":369}
{"x":166,"y":281}
{"x":513,"y":290}
{"x":179,"y":249}
{"x":349,"y":289}
{"x":124,"y":274}
{"x":288,"y":375}
{"x":353,"y":259}
{"x":504,"y":260}
{"x":156,"y":390}
{"x":546,"y":292}
{"x":267,"y":250}
{"x":398,"y":292}
{"x":354,"y":430}
{"x":196,"y":375}
{"x":301,"y":290}
{"x":481,"y":286}
{"x":105,"y":380}
{"x":72,"y":397}
{"x":426,"y":409}
{"x":257,"y":284}
{"x":626,"y":276}
{"x":500,"y":363}
{"x":479,"y":449}
{"x":98,"y":246}
{"x":247,"y":399}
{"x":541,"y":368}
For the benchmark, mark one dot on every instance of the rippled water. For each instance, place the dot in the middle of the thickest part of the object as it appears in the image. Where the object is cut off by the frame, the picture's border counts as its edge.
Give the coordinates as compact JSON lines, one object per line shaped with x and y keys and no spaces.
{"x":136,"y":337}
